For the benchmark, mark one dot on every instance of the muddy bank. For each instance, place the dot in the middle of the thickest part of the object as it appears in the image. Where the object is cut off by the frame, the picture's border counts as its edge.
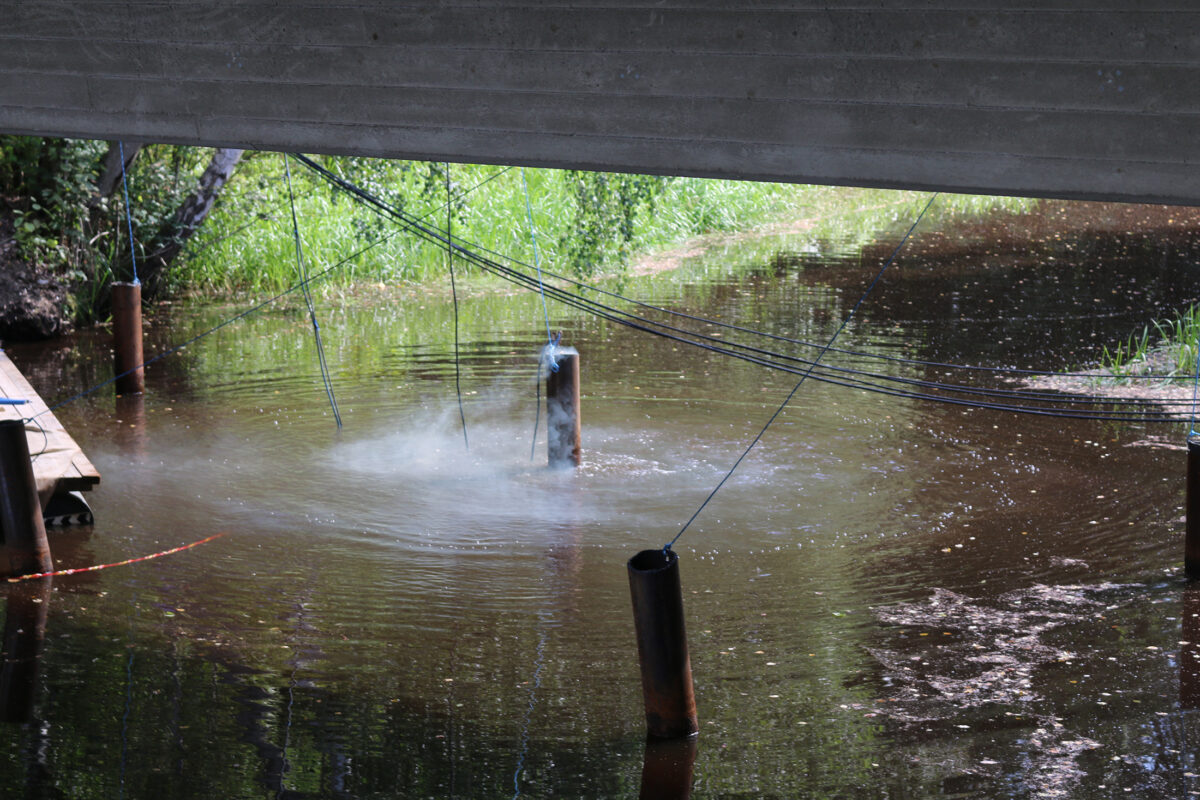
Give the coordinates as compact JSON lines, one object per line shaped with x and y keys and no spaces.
{"x":33,"y":303}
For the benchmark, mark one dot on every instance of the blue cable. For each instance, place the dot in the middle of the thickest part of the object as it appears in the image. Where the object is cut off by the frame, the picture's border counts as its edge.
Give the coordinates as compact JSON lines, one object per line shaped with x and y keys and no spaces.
{"x":537,"y":262}
{"x":128,"y":215}
{"x":812,"y":366}
{"x":539,"y":660}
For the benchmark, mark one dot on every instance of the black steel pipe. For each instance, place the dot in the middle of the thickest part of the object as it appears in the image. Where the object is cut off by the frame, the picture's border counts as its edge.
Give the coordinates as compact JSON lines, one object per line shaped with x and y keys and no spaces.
{"x":127,"y":338}
{"x":23,"y":546}
{"x":1191,"y":546}
{"x":667,"y":691}
{"x":564,"y":444}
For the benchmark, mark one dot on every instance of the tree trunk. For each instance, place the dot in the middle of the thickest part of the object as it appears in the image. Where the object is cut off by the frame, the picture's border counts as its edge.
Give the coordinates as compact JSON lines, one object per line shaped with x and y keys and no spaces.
{"x":188,"y":219}
{"x":110,"y":178}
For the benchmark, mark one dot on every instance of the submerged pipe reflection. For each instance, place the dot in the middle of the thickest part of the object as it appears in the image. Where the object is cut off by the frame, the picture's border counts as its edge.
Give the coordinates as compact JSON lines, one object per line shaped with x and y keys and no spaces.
{"x":1191,"y":547}
{"x":24,"y":632}
{"x":1189,"y":651}
{"x":667,"y":768}
{"x":131,"y":424}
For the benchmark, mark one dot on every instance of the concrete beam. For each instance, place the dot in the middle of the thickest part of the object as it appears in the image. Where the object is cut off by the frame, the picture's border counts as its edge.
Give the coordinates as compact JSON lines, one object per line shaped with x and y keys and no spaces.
{"x":1063,"y":98}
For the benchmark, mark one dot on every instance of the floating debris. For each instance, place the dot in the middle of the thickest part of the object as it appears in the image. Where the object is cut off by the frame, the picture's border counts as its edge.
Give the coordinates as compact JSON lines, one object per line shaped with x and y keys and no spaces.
{"x":990,"y":659}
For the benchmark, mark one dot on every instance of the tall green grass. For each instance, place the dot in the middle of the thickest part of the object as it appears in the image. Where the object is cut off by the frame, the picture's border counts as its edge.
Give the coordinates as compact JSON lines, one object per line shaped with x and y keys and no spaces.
{"x":1165,"y":347}
{"x":585,"y":223}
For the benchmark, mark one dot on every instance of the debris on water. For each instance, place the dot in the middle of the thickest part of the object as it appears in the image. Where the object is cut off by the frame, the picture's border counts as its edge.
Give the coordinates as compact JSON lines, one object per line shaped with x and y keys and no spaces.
{"x":990,"y":659}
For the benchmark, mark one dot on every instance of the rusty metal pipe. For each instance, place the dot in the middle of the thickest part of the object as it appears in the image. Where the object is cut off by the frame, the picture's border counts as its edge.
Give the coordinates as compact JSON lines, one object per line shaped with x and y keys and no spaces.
{"x":564,"y":444}
{"x":23,"y":546}
{"x":667,"y":691}
{"x":1191,"y":547}
{"x":127,"y":337}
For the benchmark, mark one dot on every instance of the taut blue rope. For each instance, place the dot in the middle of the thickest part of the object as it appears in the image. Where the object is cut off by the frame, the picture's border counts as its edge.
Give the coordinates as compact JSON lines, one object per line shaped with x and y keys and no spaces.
{"x":546,"y":357}
{"x":812,"y":366}
{"x":539,"y":661}
{"x":128,"y":214}
{"x":537,"y":261}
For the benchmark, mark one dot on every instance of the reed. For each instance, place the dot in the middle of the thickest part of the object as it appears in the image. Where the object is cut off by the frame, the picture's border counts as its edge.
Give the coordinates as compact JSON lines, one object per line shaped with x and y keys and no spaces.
{"x":1164,"y":347}
{"x":586,"y":223}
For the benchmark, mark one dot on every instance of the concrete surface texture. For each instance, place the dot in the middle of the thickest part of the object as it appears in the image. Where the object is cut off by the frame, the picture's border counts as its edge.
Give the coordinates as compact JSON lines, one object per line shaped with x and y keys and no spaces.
{"x":1096,"y":99}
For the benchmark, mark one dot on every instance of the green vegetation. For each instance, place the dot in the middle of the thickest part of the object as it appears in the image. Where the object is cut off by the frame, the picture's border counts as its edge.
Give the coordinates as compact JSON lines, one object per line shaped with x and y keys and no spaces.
{"x":65,"y":225}
{"x":1165,"y":347}
{"x":586,"y":224}
{"x":64,"y":204}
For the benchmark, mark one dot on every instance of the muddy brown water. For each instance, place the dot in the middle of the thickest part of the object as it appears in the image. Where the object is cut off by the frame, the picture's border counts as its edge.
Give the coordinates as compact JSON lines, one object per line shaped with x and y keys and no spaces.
{"x":889,"y":599}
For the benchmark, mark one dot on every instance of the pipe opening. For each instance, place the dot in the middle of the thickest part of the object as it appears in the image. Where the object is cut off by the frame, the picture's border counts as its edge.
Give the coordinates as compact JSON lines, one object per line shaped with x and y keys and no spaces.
{"x":653,"y":560}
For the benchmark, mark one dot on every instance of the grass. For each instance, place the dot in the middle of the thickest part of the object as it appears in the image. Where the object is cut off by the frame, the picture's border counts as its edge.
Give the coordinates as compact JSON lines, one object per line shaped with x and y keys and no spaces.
{"x":1165,"y":347}
{"x":586,"y":223}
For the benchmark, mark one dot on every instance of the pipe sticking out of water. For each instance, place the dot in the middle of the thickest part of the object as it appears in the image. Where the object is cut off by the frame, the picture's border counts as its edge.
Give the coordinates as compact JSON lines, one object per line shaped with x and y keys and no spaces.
{"x":24,"y":549}
{"x":1191,"y":548}
{"x":667,"y":691}
{"x":565,"y":442}
{"x":127,"y":337}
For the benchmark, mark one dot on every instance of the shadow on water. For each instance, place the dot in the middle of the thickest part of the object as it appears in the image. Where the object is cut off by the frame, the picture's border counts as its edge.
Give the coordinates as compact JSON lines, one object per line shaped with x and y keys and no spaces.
{"x":889,"y":598}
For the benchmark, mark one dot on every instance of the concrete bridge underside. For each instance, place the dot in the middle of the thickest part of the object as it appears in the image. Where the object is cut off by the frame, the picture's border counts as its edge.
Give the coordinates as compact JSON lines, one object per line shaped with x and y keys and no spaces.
{"x":1095,"y":99}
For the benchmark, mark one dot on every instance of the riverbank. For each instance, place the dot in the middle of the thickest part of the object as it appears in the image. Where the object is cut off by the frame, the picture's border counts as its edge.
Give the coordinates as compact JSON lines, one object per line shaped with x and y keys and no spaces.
{"x":34,"y":304}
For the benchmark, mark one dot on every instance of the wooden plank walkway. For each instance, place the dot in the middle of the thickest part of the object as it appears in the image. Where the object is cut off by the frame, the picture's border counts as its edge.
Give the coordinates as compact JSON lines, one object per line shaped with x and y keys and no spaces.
{"x":59,"y":464}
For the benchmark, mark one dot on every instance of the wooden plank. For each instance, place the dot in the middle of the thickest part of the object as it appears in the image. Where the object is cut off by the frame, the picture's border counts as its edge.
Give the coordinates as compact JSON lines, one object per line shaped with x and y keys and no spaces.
{"x":58,"y":462}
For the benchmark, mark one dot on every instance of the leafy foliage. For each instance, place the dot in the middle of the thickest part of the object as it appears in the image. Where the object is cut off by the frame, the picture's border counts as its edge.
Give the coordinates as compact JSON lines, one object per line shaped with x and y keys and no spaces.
{"x":46,"y":185}
{"x":62,"y":224}
{"x":607,"y":208}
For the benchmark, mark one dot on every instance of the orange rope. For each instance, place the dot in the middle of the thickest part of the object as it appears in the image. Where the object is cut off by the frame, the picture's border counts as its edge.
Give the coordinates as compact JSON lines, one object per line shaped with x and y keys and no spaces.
{"x":117,"y":563}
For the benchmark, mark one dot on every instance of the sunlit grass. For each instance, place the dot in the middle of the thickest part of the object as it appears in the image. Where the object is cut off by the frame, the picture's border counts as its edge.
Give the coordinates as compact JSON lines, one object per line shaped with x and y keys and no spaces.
{"x":247,"y":245}
{"x":1164,"y":347}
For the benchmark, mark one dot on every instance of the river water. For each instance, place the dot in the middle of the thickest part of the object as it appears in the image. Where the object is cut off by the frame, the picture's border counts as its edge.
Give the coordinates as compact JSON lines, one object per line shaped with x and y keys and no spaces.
{"x":890,"y":598}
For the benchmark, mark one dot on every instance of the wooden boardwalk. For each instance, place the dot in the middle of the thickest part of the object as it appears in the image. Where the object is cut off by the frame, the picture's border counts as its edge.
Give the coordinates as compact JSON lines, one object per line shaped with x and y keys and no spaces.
{"x":59,"y":465}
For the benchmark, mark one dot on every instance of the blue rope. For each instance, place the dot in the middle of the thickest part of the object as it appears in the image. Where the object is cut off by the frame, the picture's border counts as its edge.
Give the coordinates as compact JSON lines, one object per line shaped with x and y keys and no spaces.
{"x":812,"y":366}
{"x":537,"y":262}
{"x":533,"y":690}
{"x":547,"y":355}
{"x":545,"y":361}
{"x":128,"y":215}
{"x":312,"y":311}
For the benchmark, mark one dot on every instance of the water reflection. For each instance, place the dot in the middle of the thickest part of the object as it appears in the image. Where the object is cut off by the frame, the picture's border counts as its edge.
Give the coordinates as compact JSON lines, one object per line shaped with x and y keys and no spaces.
{"x":27,"y":607}
{"x":667,"y":768}
{"x":1189,"y":653}
{"x":130,"y":420}
{"x":890,"y":599}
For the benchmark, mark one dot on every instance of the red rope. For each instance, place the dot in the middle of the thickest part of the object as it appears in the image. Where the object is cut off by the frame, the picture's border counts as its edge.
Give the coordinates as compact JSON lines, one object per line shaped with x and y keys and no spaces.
{"x":77,"y":570}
